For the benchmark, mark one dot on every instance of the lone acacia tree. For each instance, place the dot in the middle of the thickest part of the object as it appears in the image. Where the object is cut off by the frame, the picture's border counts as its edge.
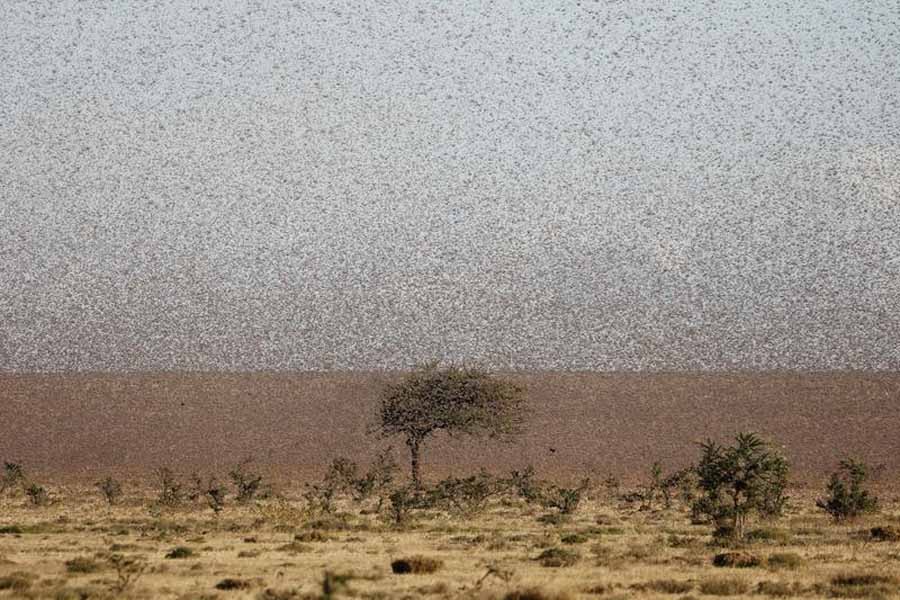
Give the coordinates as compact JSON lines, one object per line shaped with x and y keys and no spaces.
{"x":458,"y":400}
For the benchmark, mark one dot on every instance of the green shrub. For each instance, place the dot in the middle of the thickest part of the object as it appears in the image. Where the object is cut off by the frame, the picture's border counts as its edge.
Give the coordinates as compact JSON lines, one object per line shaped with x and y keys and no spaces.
{"x":847,"y":497}
{"x":737,"y":481}
{"x":465,"y":496}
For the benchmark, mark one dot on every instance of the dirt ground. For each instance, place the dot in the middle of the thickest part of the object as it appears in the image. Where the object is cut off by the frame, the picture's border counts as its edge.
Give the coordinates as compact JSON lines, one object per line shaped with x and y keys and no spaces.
{"x":582,"y":423}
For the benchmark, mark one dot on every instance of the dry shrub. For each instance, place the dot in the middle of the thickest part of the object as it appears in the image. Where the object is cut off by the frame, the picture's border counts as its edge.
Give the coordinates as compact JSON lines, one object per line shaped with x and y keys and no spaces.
{"x":230,"y":583}
{"x":16,"y":582}
{"x":82,"y":564}
{"x":772,"y":535}
{"x":724,"y":587}
{"x":780,"y":589}
{"x":739,"y":560}
{"x":863,"y":585}
{"x":885,"y":533}
{"x":784,"y":560}
{"x":180,"y":552}
{"x":664,"y":586}
{"x":536,"y":593}
{"x":558,"y":557}
{"x":294,"y":548}
{"x":416,"y":565}
{"x":313,"y":535}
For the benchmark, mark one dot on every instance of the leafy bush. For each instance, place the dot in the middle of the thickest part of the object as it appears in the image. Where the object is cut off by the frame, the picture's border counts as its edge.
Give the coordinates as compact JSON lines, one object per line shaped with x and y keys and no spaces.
{"x":465,"y":496}
{"x":111,"y":490}
{"x":737,"y":481}
{"x":566,"y":500}
{"x":402,"y":502}
{"x":847,"y":497}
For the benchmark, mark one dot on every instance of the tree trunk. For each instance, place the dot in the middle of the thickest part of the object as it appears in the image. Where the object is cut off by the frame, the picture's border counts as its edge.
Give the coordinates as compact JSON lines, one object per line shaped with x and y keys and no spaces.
{"x":413,"y":444}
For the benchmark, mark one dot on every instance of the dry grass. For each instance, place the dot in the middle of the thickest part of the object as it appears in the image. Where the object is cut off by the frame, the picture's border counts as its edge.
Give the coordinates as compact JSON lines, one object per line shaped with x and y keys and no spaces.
{"x":606,"y":550}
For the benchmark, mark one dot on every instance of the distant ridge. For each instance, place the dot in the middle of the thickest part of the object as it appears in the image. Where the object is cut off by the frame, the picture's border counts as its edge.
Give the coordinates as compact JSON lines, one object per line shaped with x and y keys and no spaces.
{"x":597,"y":423}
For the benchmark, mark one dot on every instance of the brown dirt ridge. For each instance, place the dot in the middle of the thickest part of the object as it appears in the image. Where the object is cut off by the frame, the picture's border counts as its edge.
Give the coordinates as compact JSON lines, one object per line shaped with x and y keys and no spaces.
{"x":582,"y":422}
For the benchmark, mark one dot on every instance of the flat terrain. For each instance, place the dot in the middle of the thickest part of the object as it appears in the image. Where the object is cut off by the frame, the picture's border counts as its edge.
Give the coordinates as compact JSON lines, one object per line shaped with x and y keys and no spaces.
{"x":274,"y":549}
{"x":582,"y":423}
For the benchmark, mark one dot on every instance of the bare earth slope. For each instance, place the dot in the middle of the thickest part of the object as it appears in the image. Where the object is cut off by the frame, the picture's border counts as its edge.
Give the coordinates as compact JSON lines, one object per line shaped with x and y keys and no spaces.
{"x":591,"y":423}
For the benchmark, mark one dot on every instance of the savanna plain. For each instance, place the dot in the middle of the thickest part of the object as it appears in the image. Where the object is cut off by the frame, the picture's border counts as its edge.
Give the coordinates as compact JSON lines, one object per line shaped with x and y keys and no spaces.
{"x":730,"y":519}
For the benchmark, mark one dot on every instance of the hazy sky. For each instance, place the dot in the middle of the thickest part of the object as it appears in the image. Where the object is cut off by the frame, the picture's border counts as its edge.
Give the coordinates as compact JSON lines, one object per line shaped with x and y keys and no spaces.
{"x":308,"y":185}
